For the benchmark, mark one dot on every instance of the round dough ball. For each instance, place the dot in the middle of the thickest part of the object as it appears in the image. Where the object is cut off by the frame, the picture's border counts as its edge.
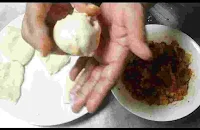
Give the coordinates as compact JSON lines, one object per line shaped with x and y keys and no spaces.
{"x":77,"y":34}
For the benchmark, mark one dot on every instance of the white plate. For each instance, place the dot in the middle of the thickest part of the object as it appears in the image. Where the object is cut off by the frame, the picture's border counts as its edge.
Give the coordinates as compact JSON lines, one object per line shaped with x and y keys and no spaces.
{"x":176,"y":110}
{"x":41,"y":102}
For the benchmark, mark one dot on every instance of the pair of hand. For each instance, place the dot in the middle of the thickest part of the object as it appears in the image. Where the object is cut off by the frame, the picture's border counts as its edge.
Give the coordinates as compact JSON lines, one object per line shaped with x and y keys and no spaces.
{"x":122,"y":33}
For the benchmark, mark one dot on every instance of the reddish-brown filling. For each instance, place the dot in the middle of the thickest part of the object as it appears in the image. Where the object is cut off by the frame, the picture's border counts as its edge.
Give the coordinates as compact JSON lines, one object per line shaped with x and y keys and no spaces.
{"x":160,"y":81}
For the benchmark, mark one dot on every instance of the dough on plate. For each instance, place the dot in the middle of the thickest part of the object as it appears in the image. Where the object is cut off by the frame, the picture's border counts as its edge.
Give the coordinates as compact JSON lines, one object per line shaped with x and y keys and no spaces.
{"x":53,"y":62}
{"x":11,"y":79}
{"x":14,"y":47}
{"x":77,"y":34}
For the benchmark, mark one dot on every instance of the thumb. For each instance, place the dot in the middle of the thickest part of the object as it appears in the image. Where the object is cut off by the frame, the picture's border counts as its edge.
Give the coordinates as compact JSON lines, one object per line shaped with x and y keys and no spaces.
{"x":88,"y":8}
{"x":34,"y":28}
{"x":46,"y":43}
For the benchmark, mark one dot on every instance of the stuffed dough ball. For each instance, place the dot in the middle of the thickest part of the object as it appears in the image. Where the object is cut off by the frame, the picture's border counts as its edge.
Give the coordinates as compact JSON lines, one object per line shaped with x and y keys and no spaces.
{"x":77,"y":34}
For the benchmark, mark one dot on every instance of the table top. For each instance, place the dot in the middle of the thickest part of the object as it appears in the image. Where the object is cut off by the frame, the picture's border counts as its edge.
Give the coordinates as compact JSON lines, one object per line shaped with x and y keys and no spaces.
{"x":111,"y":113}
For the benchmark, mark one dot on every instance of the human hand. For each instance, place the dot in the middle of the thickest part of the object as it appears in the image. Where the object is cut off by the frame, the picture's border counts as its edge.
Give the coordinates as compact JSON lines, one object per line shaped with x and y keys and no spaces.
{"x":122,"y":33}
{"x":39,"y":21}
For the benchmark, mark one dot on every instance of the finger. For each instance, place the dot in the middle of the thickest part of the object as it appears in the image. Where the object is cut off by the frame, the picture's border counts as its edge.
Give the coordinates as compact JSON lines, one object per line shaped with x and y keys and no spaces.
{"x":73,"y":93}
{"x":90,"y":65}
{"x":35,"y":30}
{"x":90,"y":9}
{"x":75,"y":90}
{"x":134,"y":22}
{"x":45,"y":43}
{"x":58,"y":11}
{"x":39,"y":39}
{"x":85,"y":90}
{"x":37,"y":13}
{"x":108,"y":78}
{"x":93,"y":103}
{"x":80,"y":64}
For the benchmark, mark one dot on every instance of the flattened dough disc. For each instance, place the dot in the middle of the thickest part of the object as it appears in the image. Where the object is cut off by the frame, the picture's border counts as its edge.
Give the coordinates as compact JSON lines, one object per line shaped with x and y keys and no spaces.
{"x":11,"y":79}
{"x":14,"y":47}
{"x":53,"y":62}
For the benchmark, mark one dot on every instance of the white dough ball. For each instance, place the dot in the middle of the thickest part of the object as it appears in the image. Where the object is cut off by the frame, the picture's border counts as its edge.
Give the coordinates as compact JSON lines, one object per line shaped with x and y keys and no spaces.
{"x":77,"y":34}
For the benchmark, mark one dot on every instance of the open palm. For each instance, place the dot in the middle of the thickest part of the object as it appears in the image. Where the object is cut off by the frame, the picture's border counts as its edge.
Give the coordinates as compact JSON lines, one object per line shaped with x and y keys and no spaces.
{"x":122,"y":33}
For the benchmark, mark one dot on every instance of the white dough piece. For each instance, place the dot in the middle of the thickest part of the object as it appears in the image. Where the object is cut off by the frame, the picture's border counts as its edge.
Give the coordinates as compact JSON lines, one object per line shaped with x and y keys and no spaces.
{"x":53,"y":62}
{"x":11,"y":79}
{"x":77,"y":34}
{"x":14,"y":47}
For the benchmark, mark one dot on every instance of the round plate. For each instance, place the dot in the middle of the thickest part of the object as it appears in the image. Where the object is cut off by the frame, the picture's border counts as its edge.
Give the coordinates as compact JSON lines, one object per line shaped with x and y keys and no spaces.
{"x":41,"y":101}
{"x":176,"y":110}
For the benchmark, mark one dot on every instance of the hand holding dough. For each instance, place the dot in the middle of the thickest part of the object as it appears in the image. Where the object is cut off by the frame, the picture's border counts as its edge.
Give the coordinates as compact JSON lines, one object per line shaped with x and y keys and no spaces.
{"x":77,"y":34}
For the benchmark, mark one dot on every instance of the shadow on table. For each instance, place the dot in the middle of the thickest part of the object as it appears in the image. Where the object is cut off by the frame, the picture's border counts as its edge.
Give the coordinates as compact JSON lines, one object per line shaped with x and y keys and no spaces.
{"x":193,"y":120}
{"x":87,"y":116}
{"x":191,"y":23}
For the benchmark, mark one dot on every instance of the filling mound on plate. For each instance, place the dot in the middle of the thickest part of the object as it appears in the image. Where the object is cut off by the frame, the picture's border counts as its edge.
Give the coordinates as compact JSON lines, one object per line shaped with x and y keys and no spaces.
{"x":162,"y":80}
